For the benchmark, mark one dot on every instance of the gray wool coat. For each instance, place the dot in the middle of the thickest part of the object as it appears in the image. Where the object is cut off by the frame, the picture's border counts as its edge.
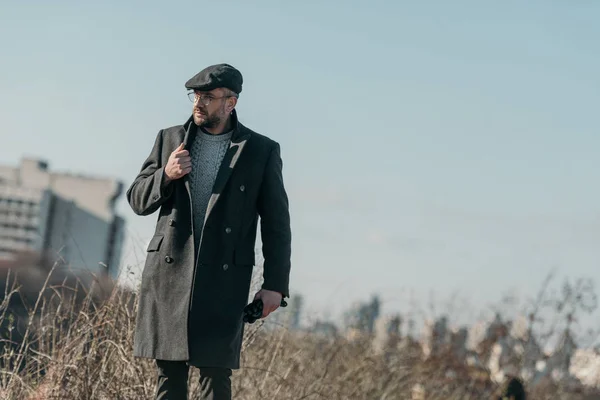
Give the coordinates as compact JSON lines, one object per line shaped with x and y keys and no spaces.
{"x":191,"y":300}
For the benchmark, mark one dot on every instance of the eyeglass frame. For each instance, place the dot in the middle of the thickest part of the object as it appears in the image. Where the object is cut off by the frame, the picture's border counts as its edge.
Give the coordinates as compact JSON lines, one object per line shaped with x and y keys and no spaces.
{"x":198,"y":97}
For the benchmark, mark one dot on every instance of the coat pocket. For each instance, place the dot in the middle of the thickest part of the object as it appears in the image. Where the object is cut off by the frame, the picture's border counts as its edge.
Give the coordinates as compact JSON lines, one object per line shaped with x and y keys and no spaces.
{"x":155,"y":242}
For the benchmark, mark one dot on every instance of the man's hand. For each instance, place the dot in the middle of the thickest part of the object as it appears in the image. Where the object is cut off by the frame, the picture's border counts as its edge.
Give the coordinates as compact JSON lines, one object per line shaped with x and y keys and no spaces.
{"x":271,"y":301}
{"x":179,"y":164}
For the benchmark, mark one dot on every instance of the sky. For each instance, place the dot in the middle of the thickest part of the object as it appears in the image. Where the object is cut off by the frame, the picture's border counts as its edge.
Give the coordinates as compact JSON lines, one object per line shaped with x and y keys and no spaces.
{"x":428,"y":147}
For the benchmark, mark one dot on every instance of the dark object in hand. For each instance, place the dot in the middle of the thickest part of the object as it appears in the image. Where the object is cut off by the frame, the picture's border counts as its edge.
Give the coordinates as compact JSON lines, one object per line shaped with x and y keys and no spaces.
{"x":254,"y":310}
{"x":514,"y":390}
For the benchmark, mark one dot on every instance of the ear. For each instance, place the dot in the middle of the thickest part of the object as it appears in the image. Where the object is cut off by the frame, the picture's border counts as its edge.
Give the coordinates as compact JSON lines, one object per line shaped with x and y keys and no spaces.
{"x":231,"y":103}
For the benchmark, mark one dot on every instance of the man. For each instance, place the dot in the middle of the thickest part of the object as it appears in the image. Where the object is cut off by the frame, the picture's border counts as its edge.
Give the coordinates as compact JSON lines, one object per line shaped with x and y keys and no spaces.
{"x":210,"y":179}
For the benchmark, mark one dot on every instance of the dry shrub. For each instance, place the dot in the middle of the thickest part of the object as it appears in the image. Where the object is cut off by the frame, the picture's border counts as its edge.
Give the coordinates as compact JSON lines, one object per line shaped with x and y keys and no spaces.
{"x":74,"y":341}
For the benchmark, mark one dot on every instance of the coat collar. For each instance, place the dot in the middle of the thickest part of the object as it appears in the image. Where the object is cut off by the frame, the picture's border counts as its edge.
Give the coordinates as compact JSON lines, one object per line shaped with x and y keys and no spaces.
{"x":239,"y":135}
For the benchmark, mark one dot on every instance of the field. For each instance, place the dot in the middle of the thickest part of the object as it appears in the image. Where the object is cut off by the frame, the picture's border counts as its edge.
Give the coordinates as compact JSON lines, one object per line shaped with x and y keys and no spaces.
{"x":70,"y":337}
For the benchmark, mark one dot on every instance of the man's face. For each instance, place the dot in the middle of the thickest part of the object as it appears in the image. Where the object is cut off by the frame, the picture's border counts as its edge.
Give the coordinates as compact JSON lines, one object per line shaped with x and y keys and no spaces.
{"x":211,"y":115}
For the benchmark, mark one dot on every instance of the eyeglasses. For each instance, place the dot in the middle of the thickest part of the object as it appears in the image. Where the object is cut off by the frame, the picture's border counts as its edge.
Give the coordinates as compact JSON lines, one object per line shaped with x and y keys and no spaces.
{"x":204,"y":98}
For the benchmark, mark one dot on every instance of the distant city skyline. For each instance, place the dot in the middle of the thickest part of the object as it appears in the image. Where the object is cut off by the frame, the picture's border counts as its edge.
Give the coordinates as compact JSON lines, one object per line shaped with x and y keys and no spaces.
{"x":427,"y":148}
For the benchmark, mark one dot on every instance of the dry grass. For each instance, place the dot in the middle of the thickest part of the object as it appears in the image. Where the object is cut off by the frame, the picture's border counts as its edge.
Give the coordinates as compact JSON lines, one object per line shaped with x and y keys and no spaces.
{"x":71,"y":343}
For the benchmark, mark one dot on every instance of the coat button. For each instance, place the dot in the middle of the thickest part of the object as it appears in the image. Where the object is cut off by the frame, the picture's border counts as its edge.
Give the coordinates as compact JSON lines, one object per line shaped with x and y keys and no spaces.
{"x":242,"y":188}
{"x":225,"y":267}
{"x":172,"y":222}
{"x":228,"y":230}
{"x":168,"y":259}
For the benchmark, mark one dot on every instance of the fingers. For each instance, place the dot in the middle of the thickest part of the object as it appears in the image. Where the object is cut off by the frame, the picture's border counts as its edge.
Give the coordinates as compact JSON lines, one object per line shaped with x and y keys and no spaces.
{"x":178,"y":167}
{"x":183,"y":170}
{"x":180,"y":152}
{"x":180,"y":163}
{"x":268,"y":309}
{"x":184,"y":163}
{"x":266,"y":312}
{"x":270,"y":301}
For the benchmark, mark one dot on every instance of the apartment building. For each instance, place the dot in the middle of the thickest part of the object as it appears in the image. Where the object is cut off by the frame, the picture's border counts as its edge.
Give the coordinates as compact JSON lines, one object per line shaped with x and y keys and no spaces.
{"x":70,"y":217}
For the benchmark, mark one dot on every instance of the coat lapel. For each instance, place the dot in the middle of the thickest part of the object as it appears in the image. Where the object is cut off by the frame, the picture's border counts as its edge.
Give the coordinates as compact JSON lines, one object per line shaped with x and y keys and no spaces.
{"x":225,"y":171}
{"x":186,"y":138}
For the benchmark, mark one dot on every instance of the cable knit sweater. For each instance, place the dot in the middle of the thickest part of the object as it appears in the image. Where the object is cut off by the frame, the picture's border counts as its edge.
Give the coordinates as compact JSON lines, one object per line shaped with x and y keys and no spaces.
{"x":206,"y":155}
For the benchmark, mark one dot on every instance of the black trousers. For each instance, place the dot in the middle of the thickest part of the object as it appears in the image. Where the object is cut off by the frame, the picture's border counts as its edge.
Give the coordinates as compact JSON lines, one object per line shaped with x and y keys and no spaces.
{"x":215,"y":383}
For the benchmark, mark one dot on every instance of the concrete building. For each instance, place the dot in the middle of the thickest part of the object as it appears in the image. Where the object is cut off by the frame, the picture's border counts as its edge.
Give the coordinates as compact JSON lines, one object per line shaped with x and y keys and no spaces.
{"x":70,"y":217}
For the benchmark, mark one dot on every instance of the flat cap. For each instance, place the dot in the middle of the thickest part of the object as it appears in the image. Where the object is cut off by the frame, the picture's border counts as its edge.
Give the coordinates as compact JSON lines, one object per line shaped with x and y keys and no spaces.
{"x":216,"y":76}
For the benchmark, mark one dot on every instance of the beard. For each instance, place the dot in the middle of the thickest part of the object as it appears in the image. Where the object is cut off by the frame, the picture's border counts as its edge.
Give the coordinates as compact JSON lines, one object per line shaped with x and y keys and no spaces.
{"x":208,"y":120}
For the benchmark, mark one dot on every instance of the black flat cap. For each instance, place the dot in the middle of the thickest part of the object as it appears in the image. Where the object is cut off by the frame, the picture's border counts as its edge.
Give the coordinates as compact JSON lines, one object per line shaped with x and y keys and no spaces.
{"x":216,"y":76}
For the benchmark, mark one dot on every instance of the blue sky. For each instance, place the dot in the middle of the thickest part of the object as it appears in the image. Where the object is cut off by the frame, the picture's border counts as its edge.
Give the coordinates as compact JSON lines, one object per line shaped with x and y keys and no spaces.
{"x":447,"y":146}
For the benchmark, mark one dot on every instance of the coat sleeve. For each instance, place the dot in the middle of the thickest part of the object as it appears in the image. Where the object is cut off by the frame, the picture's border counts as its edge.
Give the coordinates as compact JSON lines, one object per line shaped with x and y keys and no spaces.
{"x":273,"y":208}
{"x":149,"y":189}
